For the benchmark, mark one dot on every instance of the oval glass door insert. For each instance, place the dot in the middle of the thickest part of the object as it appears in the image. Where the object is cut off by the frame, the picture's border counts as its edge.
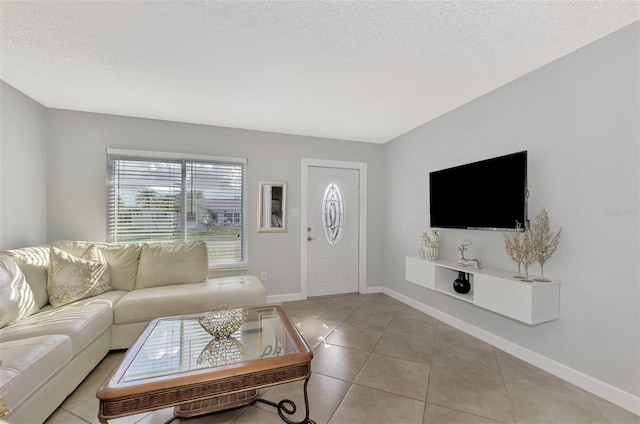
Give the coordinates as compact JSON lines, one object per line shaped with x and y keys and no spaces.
{"x":332,"y":214}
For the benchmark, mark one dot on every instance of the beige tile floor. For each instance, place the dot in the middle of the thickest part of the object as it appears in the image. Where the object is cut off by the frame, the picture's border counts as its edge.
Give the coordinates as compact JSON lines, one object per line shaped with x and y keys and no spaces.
{"x":380,"y":361}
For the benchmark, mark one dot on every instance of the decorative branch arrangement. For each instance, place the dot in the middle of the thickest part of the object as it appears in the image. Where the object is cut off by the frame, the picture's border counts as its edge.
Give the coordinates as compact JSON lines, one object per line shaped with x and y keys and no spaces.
{"x":513,"y":242}
{"x":544,"y":241}
{"x":528,"y":252}
{"x":535,"y":243}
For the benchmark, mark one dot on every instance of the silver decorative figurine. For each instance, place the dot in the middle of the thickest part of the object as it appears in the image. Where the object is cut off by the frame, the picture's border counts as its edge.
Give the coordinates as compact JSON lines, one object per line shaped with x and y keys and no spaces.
{"x":469,"y":263}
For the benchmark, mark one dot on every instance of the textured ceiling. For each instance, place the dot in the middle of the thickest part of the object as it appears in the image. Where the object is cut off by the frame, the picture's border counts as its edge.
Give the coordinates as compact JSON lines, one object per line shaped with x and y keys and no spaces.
{"x":365,"y":71}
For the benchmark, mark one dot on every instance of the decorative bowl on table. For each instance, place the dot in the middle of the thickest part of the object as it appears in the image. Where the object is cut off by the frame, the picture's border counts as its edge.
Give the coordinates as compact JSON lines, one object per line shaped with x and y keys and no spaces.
{"x":222,"y":321}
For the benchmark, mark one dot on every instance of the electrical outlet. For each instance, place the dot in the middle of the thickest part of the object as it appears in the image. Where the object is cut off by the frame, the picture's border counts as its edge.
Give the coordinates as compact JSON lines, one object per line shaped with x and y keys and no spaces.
{"x":263,"y":276}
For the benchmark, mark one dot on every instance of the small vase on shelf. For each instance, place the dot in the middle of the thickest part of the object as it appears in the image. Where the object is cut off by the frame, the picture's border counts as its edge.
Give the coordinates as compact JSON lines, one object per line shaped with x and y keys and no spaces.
{"x":429,"y":247}
{"x":461,"y":284}
{"x":423,"y":241}
{"x":433,"y":248}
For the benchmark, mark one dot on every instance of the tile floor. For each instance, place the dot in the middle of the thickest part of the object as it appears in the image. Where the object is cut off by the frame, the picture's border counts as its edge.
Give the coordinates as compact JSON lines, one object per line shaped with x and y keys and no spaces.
{"x":380,"y":361}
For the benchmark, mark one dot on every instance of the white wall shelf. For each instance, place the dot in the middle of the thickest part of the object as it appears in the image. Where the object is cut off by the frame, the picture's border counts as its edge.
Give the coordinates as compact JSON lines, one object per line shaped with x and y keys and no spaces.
{"x":493,"y":289}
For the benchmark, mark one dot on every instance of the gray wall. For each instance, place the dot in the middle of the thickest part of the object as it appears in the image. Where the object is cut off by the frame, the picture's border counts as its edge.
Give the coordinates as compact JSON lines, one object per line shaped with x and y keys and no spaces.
{"x":77,"y":175}
{"x":578,"y":119}
{"x":23,"y":170}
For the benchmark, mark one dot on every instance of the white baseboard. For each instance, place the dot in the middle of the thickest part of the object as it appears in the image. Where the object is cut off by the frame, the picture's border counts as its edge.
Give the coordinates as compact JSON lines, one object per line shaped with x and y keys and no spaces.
{"x":592,"y":385}
{"x":292,"y":297}
{"x":279,"y":298}
{"x":375,"y":289}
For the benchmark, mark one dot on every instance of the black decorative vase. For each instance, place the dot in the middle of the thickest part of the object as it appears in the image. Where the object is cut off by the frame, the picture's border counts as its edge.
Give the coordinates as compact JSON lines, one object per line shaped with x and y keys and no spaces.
{"x":461,"y":284}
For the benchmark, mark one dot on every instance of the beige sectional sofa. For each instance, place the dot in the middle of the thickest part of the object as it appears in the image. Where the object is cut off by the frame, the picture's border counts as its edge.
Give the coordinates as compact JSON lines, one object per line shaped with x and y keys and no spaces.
{"x":50,"y":341}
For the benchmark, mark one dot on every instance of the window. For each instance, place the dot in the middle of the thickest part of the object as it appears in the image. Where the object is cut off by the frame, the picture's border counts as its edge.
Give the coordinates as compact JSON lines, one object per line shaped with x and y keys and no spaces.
{"x":170,"y":197}
{"x":332,"y":214}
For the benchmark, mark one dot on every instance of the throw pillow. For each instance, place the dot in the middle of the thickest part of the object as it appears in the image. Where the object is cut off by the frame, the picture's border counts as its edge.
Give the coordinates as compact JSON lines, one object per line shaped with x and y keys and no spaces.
{"x":16,"y":297}
{"x":72,"y":278}
{"x":163,"y":264}
{"x":34,"y":264}
{"x":122,"y":259}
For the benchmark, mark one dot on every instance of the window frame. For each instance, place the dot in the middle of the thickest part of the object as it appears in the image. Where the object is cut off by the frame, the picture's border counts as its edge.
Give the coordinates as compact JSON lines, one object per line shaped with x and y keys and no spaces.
{"x":184,"y":158}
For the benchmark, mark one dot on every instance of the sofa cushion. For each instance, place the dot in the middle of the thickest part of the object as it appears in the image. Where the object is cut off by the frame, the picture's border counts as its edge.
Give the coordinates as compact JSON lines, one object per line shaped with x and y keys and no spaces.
{"x":150,"y":303}
{"x":82,"y":321}
{"x":34,"y":263}
{"x":28,"y":364}
{"x":163,"y":264}
{"x":122,"y":259}
{"x":72,"y":278}
{"x":16,"y":297}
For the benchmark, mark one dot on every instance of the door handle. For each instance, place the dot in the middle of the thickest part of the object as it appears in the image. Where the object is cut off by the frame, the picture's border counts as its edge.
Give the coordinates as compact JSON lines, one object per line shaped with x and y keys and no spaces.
{"x":309,"y":238}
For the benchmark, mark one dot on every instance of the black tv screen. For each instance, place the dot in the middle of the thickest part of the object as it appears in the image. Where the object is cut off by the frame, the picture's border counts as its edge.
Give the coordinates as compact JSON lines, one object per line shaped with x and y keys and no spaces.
{"x":488,"y":195}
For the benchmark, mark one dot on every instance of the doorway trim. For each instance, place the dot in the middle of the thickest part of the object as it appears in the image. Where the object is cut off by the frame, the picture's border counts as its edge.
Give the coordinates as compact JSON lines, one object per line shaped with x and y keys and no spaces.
{"x":362,"y":231}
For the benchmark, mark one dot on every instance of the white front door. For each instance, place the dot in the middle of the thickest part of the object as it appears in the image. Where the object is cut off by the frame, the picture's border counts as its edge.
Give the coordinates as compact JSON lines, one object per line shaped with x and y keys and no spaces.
{"x":332,"y":230}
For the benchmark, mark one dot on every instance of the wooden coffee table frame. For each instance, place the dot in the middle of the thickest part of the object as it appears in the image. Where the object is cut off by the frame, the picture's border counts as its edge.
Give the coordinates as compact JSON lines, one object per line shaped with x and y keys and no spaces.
{"x":211,"y":389}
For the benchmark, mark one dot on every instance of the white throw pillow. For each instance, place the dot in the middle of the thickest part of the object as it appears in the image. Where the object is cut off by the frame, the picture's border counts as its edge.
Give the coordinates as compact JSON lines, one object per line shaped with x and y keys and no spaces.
{"x":163,"y":264}
{"x":34,"y":264}
{"x":122,"y":259}
{"x":16,"y":297}
{"x":72,"y":278}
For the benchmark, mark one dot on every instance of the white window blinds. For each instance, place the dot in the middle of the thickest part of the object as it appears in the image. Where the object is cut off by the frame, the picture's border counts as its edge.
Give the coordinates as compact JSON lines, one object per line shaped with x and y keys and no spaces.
{"x":168,"y":197}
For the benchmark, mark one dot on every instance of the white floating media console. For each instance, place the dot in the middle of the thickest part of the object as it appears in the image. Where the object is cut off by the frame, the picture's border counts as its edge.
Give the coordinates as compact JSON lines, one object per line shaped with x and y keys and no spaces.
{"x":492,"y":289}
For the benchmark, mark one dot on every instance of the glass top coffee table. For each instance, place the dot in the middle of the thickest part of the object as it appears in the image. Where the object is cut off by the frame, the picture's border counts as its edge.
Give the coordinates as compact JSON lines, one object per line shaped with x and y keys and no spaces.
{"x":175,"y":362}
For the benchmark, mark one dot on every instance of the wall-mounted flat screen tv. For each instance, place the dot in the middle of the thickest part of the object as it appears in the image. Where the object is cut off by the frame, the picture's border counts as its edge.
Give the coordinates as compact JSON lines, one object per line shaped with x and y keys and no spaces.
{"x":487,"y":195}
